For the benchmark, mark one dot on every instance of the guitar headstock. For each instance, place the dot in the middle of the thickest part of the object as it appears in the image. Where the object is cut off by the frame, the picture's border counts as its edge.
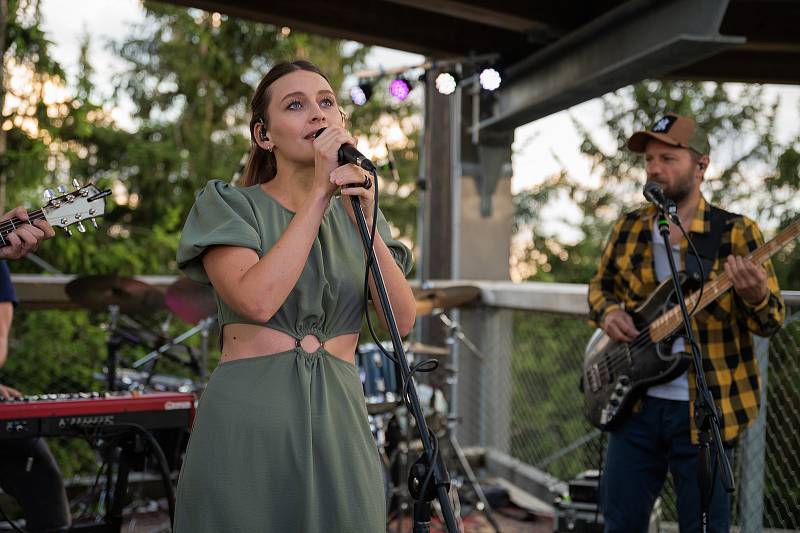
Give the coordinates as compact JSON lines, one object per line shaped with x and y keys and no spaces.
{"x":85,"y":202}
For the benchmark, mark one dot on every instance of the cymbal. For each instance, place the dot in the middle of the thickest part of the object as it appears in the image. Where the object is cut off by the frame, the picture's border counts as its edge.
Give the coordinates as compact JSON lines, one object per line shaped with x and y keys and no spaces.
{"x":100,"y":291}
{"x":427,"y":349}
{"x":190,"y":300}
{"x":443,"y":297}
{"x":379,"y":408}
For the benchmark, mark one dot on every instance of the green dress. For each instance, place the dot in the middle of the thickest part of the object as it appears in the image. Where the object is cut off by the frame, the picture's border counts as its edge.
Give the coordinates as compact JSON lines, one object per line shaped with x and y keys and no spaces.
{"x":281,"y":443}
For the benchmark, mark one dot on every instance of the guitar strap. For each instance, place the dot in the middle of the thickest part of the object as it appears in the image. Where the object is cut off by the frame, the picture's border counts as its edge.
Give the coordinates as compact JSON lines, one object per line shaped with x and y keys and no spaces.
{"x":707,"y":244}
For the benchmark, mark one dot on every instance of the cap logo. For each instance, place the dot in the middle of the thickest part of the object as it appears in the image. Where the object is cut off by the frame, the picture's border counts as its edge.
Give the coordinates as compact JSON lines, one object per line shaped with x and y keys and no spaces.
{"x":663,"y":125}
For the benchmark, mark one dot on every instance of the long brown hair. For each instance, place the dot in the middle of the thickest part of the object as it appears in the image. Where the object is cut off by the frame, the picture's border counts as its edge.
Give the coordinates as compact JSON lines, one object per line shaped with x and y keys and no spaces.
{"x":261,"y":165}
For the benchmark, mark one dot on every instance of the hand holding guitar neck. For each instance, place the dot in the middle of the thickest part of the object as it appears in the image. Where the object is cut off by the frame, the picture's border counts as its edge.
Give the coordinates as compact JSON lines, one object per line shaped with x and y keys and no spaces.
{"x":22,"y":231}
{"x":21,"y":234}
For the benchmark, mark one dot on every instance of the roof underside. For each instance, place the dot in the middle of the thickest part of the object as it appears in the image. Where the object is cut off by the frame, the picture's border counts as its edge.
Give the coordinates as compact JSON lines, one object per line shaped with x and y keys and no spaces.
{"x":723,"y":40}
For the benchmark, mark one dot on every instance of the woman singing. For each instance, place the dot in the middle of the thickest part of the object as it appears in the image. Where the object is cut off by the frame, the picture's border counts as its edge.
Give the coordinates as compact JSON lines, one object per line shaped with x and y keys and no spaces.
{"x":281,"y":441}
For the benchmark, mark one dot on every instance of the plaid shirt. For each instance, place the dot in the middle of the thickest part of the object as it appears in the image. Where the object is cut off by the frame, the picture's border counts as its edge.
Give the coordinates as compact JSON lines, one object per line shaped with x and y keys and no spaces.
{"x":626,"y":277}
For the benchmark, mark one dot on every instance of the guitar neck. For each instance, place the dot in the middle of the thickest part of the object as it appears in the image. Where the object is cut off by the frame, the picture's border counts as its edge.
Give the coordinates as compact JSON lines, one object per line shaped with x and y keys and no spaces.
{"x":670,"y":321}
{"x":7,"y":226}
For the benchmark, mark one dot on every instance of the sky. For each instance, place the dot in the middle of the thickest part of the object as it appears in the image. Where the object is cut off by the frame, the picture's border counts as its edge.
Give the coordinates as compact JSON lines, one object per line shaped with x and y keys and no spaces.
{"x":540,"y":148}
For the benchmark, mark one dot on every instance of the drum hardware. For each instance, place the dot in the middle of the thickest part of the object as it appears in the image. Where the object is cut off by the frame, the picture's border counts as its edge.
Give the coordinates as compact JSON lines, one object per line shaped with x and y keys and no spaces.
{"x":191,"y":301}
{"x":123,"y":329}
{"x":196,"y":362}
{"x":427,"y":349}
{"x":194,"y":303}
{"x":129,"y":295}
{"x":428,"y":300}
{"x":120,"y":296}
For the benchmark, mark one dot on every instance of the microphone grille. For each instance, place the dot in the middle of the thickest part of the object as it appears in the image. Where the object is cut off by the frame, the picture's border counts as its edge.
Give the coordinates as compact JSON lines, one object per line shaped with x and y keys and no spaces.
{"x":651,"y":187}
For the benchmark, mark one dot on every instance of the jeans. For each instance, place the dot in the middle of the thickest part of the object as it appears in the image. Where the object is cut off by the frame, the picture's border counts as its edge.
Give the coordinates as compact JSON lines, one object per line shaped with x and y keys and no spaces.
{"x":29,"y":473}
{"x":640,"y":452}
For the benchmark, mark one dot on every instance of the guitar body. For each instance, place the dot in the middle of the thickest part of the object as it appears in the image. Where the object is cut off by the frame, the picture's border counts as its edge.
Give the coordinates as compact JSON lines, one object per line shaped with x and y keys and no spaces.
{"x":616,"y":374}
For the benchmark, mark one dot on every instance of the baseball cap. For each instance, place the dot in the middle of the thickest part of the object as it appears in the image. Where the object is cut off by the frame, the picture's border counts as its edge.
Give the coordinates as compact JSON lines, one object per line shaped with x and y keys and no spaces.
{"x":674,"y":130}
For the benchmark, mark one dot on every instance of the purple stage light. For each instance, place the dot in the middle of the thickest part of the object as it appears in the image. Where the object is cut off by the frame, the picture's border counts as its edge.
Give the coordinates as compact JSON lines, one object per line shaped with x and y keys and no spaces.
{"x":399,"y":88}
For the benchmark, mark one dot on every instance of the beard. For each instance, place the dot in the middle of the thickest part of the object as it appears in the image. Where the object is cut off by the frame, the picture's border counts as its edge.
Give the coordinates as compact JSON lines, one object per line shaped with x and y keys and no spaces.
{"x":679,"y":189}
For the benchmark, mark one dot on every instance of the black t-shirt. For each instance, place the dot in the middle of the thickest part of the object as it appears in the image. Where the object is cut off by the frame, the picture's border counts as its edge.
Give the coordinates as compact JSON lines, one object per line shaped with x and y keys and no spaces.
{"x":7,"y":292}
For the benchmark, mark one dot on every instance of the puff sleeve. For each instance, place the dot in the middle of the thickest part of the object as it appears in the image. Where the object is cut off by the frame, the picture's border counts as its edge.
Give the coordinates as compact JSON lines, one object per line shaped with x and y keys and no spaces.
{"x":221,"y":215}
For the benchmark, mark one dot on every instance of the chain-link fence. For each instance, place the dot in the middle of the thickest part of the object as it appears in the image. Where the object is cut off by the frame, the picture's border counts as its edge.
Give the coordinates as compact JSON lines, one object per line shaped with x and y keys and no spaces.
{"x":519,"y":394}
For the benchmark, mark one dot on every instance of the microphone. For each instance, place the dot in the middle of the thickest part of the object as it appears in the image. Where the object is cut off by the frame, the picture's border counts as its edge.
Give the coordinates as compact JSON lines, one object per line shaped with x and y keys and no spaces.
{"x":349,"y":154}
{"x":653,"y":193}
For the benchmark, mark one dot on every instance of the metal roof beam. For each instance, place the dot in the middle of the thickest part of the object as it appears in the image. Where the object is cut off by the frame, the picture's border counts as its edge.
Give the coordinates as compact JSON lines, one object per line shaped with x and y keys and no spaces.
{"x":640,"y":39}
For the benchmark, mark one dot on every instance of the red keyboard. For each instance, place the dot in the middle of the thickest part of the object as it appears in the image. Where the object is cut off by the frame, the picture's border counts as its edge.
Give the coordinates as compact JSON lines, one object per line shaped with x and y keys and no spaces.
{"x":51,"y":415}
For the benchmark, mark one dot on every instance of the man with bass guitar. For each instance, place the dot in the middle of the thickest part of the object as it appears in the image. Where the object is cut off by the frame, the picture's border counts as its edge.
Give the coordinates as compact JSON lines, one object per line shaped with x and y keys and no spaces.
{"x":658,"y":433}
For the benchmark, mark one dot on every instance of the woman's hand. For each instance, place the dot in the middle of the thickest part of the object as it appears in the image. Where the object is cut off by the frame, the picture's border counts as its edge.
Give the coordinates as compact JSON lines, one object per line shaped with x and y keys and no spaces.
{"x":326,"y":155}
{"x":355,"y":181}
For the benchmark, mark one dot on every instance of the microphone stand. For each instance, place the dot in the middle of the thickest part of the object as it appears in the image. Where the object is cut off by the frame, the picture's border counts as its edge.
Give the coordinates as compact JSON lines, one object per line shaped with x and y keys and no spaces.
{"x":429,"y":468}
{"x":706,"y":416}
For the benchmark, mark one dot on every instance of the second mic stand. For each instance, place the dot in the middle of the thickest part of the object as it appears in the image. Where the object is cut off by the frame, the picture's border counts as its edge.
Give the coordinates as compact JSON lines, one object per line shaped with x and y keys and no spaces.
{"x":705,"y":412}
{"x":454,"y":334}
{"x":430,"y":467}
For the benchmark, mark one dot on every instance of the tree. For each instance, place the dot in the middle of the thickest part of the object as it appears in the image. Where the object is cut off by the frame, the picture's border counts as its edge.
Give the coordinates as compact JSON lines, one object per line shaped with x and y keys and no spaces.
{"x":29,"y":74}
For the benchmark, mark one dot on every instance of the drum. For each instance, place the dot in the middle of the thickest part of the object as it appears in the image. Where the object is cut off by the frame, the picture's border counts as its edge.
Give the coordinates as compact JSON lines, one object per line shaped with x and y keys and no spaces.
{"x":378,"y":375}
{"x":167,"y":383}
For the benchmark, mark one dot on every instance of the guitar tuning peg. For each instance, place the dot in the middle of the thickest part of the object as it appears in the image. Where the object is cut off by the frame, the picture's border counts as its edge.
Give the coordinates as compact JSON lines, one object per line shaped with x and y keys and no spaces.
{"x":48,"y":194}
{"x":76,"y":183}
{"x":81,"y":227}
{"x":62,"y":189}
{"x":68,"y":232}
{"x":94,"y":223}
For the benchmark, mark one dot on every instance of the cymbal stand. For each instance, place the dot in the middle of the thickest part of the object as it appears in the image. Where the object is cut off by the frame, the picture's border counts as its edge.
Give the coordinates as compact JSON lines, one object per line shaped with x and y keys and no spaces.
{"x":454,"y":334}
{"x":195,"y":363}
{"x":206,"y":324}
{"x":113,"y":343}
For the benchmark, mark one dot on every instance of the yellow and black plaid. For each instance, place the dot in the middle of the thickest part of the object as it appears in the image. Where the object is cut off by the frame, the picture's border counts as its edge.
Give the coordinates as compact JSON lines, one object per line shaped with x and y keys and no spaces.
{"x":626,"y":277}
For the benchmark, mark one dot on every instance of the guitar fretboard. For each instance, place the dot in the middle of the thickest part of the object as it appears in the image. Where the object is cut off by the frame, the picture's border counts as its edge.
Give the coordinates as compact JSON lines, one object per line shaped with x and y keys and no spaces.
{"x":7,"y":226}
{"x":670,"y":321}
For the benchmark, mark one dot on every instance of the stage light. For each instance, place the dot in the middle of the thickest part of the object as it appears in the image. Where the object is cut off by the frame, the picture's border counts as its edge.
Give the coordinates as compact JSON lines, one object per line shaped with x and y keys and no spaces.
{"x":446,"y":83}
{"x":490,"y":79}
{"x":399,"y":88}
{"x":360,"y":93}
